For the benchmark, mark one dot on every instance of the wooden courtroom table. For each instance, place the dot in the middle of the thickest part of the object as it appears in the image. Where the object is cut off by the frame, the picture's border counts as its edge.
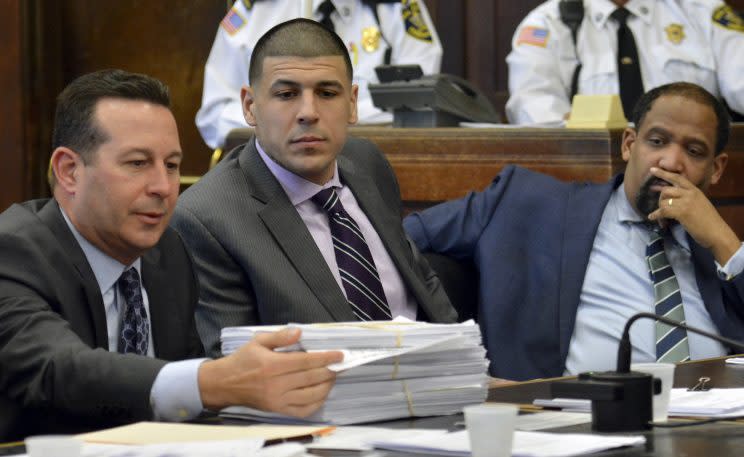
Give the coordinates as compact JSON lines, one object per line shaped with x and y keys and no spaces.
{"x":438,"y":164}
{"x":722,"y":439}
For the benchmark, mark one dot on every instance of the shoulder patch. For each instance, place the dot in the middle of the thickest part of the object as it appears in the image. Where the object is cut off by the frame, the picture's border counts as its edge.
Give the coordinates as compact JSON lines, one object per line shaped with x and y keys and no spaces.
{"x":728,"y":18}
{"x":535,"y":36}
{"x":232,"y":22}
{"x":414,"y":21}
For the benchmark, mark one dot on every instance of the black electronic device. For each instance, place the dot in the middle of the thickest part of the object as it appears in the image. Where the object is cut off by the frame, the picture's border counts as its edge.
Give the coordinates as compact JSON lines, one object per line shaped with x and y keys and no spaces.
{"x":438,"y":100}
{"x":622,"y":399}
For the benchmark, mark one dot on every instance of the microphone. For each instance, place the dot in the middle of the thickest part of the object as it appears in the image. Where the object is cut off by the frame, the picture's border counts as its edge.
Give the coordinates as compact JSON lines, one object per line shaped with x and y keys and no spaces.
{"x":622,"y":399}
{"x":624,"y":349}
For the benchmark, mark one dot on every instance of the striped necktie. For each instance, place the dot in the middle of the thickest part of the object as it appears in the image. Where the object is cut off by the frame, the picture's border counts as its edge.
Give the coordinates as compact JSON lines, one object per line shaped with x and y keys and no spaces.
{"x":135,"y":327}
{"x":671,"y":342}
{"x":356,"y":266}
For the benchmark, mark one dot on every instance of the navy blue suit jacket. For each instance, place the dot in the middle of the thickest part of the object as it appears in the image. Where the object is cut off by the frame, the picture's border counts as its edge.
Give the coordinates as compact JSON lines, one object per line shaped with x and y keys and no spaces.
{"x":530,"y":237}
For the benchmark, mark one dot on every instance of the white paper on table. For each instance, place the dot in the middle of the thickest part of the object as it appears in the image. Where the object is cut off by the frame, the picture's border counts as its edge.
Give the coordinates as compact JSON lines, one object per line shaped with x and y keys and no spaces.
{"x":550,"y":419}
{"x":359,"y":438}
{"x":566,"y":404}
{"x":227,"y":448}
{"x":526,"y":444}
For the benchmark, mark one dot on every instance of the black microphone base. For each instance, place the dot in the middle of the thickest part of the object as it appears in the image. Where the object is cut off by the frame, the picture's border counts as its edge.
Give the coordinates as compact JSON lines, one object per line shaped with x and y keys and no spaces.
{"x":631,"y":413}
{"x":621,"y":402}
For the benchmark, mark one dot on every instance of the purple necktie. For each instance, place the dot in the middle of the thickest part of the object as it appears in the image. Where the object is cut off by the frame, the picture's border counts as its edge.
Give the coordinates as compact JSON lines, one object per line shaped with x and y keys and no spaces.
{"x":135,"y":328}
{"x":355,"y":264}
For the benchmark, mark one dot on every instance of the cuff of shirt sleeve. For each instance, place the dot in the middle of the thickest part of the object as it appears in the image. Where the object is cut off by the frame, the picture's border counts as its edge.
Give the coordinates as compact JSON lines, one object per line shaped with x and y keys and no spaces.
{"x":175,"y":393}
{"x":733,"y":267}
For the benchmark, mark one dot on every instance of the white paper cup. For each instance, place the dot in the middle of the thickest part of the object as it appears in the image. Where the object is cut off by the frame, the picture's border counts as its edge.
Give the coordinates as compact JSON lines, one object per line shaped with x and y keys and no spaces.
{"x":491,"y":428}
{"x":665,"y":372}
{"x":53,"y":446}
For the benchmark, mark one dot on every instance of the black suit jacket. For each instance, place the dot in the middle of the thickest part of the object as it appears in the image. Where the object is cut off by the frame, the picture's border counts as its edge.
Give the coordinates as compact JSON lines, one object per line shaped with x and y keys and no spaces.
{"x":56,"y":374}
{"x":257,"y":261}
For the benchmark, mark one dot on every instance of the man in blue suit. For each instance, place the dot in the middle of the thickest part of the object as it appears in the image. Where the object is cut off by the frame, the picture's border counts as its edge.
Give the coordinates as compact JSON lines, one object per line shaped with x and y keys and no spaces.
{"x":563,"y":265}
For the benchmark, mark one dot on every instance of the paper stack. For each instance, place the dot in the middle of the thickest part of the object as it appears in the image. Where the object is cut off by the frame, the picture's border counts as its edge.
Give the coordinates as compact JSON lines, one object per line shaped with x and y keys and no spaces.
{"x":391,"y":369}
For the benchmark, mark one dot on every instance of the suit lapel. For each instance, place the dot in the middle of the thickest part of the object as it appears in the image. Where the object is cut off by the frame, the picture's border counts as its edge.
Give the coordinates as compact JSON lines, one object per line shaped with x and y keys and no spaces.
{"x":51,"y":215}
{"x":160,"y":296}
{"x":584,"y":211}
{"x":286,"y":226}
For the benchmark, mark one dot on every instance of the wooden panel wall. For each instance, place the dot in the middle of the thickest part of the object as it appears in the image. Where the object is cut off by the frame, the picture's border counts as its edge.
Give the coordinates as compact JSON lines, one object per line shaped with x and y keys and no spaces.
{"x":13,"y":169}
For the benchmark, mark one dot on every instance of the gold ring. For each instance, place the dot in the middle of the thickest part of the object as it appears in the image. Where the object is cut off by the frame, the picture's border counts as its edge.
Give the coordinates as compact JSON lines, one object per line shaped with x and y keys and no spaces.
{"x":670,"y":202}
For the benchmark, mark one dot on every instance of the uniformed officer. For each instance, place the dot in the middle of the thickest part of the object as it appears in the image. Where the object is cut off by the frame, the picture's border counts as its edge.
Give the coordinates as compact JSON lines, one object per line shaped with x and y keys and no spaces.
{"x":375,"y":32}
{"x":699,"y":41}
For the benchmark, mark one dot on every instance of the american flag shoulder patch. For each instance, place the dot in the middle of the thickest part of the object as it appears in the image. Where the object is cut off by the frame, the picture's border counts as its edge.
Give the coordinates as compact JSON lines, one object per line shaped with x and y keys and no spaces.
{"x":232,"y":22}
{"x":535,"y":36}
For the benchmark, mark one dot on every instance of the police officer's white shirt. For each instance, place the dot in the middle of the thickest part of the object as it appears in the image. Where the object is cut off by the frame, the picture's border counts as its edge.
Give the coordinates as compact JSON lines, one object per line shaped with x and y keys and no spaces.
{"x":677,"y":40}
{"x":226,"y":70}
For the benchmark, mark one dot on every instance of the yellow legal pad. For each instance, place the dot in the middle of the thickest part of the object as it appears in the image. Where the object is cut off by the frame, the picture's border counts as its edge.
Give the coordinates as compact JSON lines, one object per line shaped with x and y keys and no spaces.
{"x":159,"y":432}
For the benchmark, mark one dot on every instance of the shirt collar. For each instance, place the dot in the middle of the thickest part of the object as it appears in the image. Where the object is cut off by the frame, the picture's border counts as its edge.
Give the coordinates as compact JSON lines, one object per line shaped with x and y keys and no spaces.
{"x":106,"y":269}
{"x":599,"y":11}
{"x":297,"y":188}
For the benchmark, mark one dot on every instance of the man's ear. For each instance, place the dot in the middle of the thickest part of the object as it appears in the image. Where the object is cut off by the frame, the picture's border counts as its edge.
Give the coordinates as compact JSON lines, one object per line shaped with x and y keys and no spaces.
{"x":629,"y":137}
{"x":247,"y":98}
{"x":353,"y":115}
{"x":66,"y":165}
{"x":719,"y":165}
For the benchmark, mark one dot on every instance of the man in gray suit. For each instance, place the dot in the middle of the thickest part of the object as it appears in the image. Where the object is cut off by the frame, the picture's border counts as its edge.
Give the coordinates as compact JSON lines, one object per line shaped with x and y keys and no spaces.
{"x":84,"y":343}
{"x":265,"y":249}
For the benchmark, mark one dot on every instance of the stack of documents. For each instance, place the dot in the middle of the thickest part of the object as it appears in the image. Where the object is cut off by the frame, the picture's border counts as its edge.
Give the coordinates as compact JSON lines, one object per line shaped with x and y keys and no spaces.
{"x":391,"y":369}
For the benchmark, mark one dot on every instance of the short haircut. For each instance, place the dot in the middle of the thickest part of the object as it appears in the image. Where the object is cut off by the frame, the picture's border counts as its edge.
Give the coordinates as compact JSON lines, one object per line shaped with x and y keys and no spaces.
{"x":297,"y":38}
{"x":74,"y":123}
{"x":692,"y":92}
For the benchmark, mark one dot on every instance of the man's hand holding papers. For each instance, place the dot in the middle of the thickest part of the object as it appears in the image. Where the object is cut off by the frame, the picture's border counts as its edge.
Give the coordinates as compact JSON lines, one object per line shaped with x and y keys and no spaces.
{"x":292,"y":384}
{"x":391,"y":369}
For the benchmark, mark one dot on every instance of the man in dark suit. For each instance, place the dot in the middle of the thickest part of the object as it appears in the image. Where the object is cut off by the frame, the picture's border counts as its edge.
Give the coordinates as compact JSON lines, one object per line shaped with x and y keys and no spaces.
{"x":266,"y":250}
{"x":564,"y":265}
{"x":84,"y":342}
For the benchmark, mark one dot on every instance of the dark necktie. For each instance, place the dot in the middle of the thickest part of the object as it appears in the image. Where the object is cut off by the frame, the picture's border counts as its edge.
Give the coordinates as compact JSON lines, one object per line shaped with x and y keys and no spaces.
{"x":628,"y":66}
{"x":325,"y":9}
{"x":135,"y":328}
{"x":355,"y":263}
{"x":671,"y":342}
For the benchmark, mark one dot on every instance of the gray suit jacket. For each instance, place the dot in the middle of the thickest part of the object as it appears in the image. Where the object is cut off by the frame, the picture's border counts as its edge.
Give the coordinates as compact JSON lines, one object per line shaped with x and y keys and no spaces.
{"x":258,"y":263}
{"x":56,"y":374}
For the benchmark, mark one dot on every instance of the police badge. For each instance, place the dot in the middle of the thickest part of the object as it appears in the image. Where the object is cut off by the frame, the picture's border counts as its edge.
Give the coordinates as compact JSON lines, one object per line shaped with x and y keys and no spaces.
{"x":370,"y":38}
{"x":675,"y":33}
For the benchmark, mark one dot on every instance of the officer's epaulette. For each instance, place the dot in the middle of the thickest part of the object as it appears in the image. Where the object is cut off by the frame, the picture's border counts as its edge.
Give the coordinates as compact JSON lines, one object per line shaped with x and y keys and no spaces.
{"x":726,"y":17}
